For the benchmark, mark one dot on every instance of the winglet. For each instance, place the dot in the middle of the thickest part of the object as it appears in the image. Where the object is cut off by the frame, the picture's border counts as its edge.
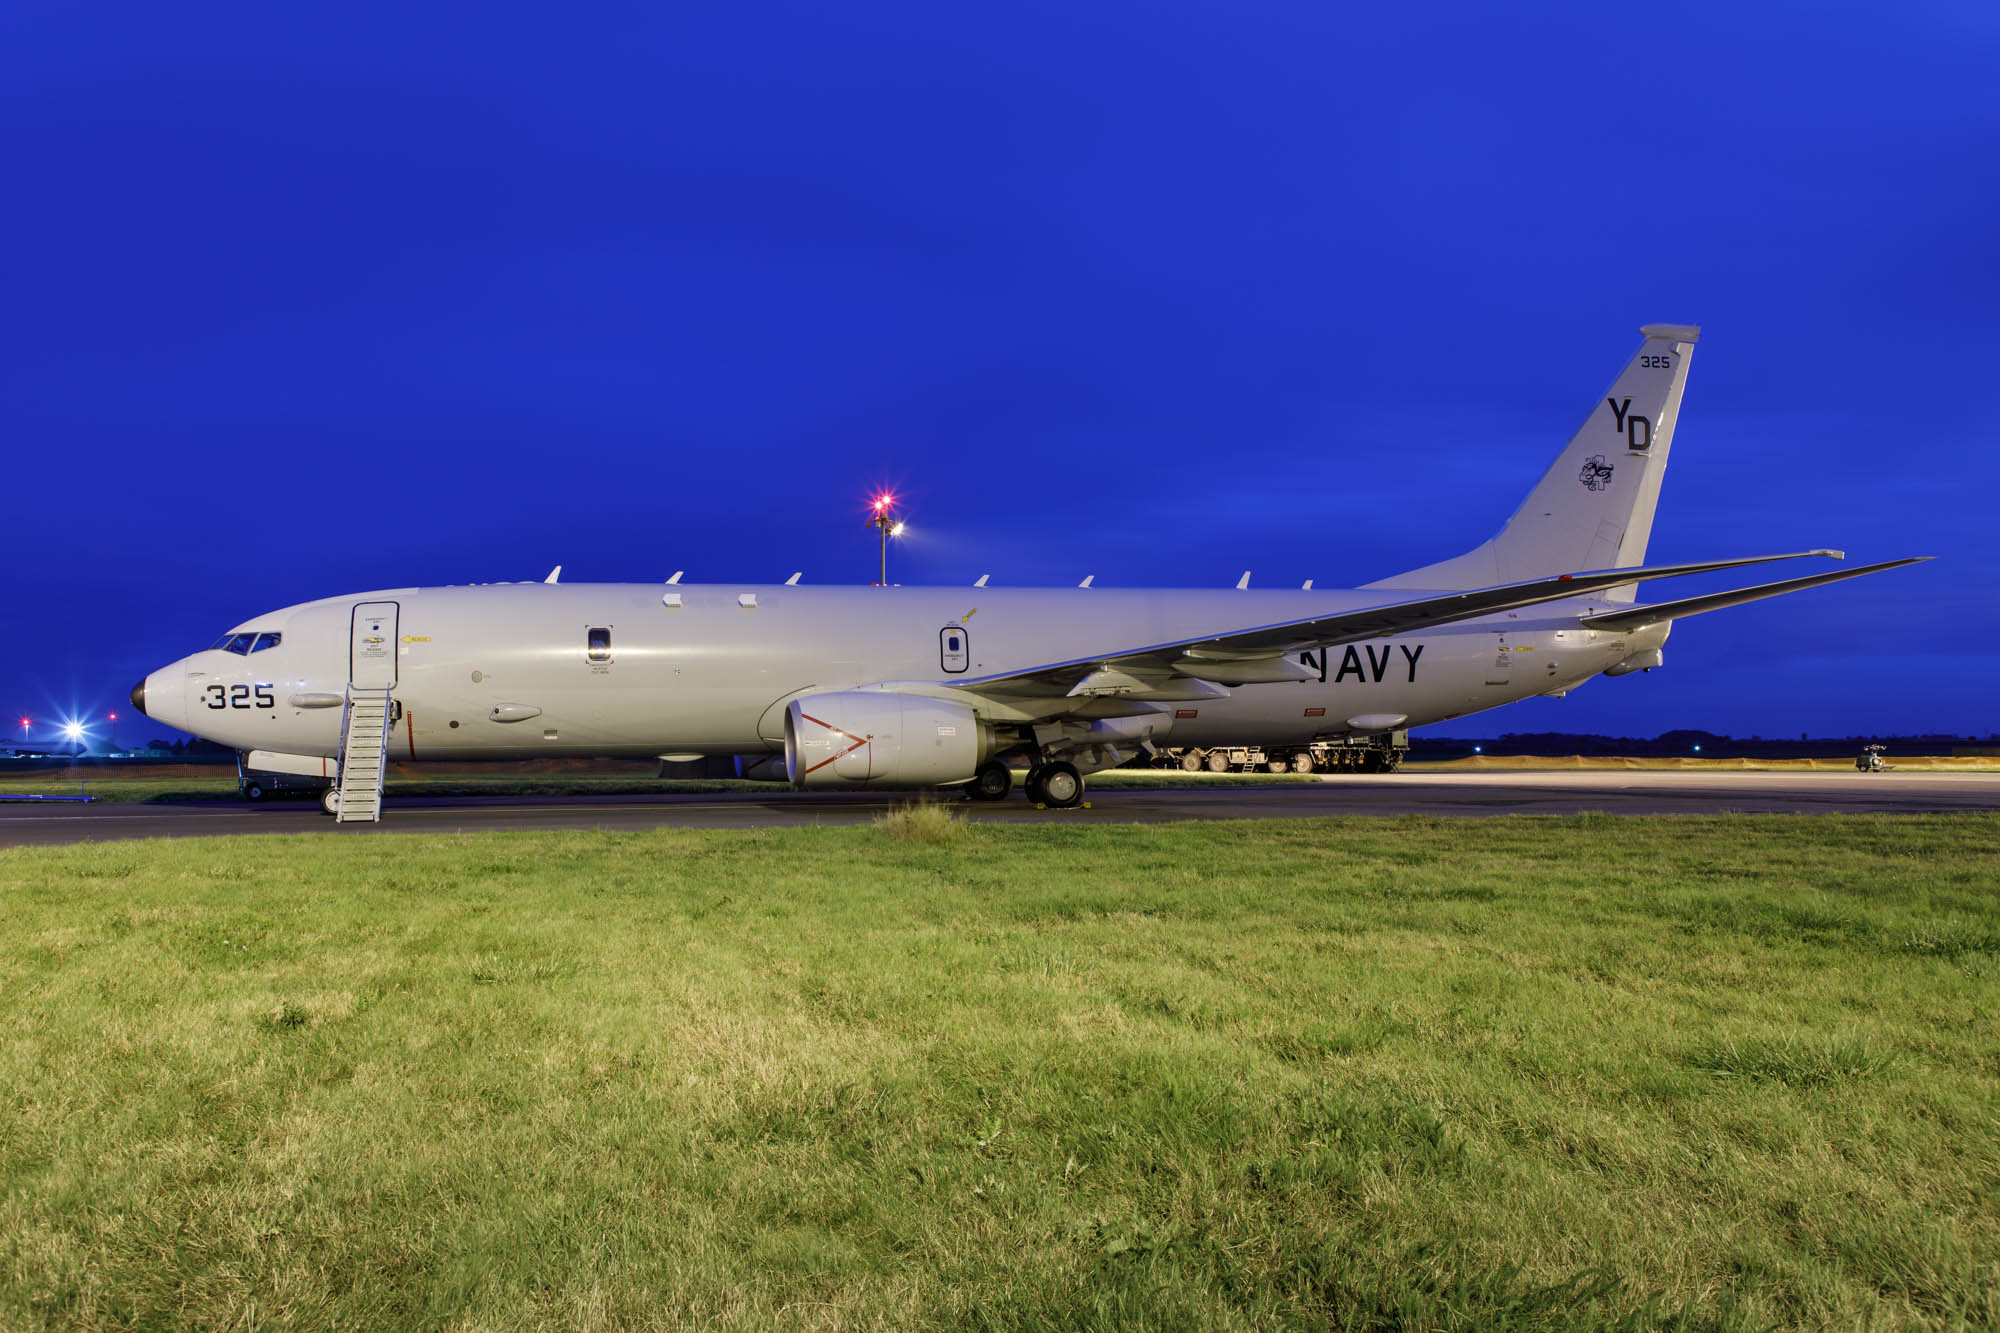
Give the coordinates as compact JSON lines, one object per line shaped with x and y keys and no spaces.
{"x":555,"y":575}
{"x":1086,"y":580}
{"x":1306,"y":586}
{"x":1243,"y":582}
{"x":980,"y":582}
{"x":677,"y":576}
{"x":793,"y":581}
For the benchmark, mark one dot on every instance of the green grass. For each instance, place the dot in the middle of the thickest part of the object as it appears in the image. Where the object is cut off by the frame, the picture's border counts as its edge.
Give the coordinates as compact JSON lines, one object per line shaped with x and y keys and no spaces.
{"x":1587,"y":1072}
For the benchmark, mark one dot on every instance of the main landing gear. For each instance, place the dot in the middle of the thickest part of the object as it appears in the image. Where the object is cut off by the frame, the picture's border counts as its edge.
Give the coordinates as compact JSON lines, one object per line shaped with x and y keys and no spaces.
{"x":1054,"y":783}
{"x":1058,"y":786}
{"x":992,"y":782}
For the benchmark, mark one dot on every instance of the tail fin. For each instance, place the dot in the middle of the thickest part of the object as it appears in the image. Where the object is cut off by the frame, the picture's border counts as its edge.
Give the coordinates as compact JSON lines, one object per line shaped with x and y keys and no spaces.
{"x":1594,"y":508}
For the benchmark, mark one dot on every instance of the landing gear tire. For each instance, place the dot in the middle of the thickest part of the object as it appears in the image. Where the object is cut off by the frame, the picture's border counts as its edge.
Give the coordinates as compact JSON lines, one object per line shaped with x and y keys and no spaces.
{"x":1191,"y":762}
{"x":253,"y":791}
{"x":1302,"y":762}
{"x":991,"y":783}
{"x":329,"y":801}
{"x":1058,"y":786}
{"x":1276,"y":765}
{"x":1218,"y":762}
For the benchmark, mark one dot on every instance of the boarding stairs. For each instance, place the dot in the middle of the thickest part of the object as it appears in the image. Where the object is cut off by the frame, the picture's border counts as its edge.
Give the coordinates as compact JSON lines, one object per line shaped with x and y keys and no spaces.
{"x":364,"y":756}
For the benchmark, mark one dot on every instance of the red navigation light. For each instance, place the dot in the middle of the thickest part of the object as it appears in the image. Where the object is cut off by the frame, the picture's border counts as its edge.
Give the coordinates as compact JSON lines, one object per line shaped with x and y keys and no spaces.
{"x":113,"y":717}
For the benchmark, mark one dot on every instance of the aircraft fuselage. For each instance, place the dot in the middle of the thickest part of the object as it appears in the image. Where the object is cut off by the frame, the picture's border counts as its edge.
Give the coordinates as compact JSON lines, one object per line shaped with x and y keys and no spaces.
{"x":511,"y":671}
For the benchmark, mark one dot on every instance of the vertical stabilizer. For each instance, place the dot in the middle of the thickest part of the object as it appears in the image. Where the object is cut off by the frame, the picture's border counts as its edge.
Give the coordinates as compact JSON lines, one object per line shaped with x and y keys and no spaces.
{"x":1594,"y":508}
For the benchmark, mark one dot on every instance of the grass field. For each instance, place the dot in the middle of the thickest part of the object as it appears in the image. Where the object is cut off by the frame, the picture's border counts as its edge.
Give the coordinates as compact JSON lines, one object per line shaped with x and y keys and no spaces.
{"x":1703,"y":1073}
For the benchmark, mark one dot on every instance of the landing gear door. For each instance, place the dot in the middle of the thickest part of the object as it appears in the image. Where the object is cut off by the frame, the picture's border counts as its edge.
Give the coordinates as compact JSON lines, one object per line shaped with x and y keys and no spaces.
{"x":371,"y":648}
{"x":954,"y":649}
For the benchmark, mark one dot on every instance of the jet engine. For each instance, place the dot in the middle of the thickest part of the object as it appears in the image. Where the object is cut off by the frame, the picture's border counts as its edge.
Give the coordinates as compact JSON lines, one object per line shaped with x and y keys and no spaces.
{"x":883,"y":739}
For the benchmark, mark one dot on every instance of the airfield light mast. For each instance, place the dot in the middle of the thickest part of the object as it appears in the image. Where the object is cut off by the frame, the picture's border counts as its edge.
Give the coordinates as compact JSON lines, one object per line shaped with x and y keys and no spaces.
{"x":882,"y":517}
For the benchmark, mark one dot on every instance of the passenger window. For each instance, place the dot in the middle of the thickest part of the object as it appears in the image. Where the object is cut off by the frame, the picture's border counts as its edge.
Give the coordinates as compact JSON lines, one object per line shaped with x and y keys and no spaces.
{"x":240,"y":643}
{"x":265,"y":641}
{"x":599,"y":643}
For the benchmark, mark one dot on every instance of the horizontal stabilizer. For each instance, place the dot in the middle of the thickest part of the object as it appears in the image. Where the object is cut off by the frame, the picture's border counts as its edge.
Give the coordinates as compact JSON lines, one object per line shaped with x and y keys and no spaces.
{"x":1640,"y":616}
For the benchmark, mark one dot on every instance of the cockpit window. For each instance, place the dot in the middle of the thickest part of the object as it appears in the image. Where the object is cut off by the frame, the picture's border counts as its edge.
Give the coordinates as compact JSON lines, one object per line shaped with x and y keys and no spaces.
{"x":236,"y":643}
{"x":265,"y":640}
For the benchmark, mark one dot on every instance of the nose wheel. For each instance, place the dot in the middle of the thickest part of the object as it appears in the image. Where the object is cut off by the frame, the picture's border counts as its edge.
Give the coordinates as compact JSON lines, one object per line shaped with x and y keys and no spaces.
{"x":1058,"y":786}
{"x":329,"y":801}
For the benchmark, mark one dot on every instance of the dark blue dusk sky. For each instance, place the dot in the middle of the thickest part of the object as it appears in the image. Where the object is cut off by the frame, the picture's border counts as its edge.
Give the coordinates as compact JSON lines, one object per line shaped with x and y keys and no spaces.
{"x":302,"y":302}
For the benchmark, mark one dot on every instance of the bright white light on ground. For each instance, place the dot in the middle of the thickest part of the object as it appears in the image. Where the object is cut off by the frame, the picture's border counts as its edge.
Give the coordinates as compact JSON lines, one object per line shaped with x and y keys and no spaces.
{"x":73,"y":730}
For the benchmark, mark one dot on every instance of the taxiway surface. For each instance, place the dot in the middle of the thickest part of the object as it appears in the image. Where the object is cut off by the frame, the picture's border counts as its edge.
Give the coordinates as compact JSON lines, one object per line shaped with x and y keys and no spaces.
{"x":1457,"y":794}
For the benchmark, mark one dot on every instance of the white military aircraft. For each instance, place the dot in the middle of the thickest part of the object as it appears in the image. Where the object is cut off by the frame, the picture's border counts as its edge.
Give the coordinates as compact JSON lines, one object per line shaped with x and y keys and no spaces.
{"x":921,"y":687}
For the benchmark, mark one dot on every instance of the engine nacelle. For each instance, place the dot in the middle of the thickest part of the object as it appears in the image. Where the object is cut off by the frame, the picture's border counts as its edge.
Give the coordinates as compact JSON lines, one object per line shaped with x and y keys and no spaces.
{"x":881,"y":739}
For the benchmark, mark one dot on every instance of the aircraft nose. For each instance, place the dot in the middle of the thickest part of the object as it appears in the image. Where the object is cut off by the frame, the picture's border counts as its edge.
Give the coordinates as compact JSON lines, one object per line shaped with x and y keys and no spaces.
{"x":139,"y":696}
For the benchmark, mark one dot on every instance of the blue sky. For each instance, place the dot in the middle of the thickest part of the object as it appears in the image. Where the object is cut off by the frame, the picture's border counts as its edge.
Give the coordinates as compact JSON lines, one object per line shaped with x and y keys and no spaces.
{"x":302,"y":303}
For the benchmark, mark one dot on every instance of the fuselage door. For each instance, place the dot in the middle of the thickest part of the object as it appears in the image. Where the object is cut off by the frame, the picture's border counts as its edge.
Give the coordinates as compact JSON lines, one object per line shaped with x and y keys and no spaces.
{"x":954,"y":648}
{"x":371,"y":648}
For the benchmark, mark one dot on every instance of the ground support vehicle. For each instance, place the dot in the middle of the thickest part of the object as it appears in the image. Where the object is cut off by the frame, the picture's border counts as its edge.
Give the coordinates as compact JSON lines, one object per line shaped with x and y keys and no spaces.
{"x":261,"y":775}
{"x":1379,"y":753}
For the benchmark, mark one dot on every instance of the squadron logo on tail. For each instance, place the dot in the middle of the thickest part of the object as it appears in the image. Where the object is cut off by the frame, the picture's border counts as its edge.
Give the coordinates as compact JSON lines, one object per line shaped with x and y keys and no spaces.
{"x":1596,"y":474}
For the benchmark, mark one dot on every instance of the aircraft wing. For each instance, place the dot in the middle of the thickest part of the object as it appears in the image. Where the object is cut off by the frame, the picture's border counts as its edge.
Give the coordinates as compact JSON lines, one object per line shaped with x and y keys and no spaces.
{"x":1640,"y":616}
{"x":1190,"y":668}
